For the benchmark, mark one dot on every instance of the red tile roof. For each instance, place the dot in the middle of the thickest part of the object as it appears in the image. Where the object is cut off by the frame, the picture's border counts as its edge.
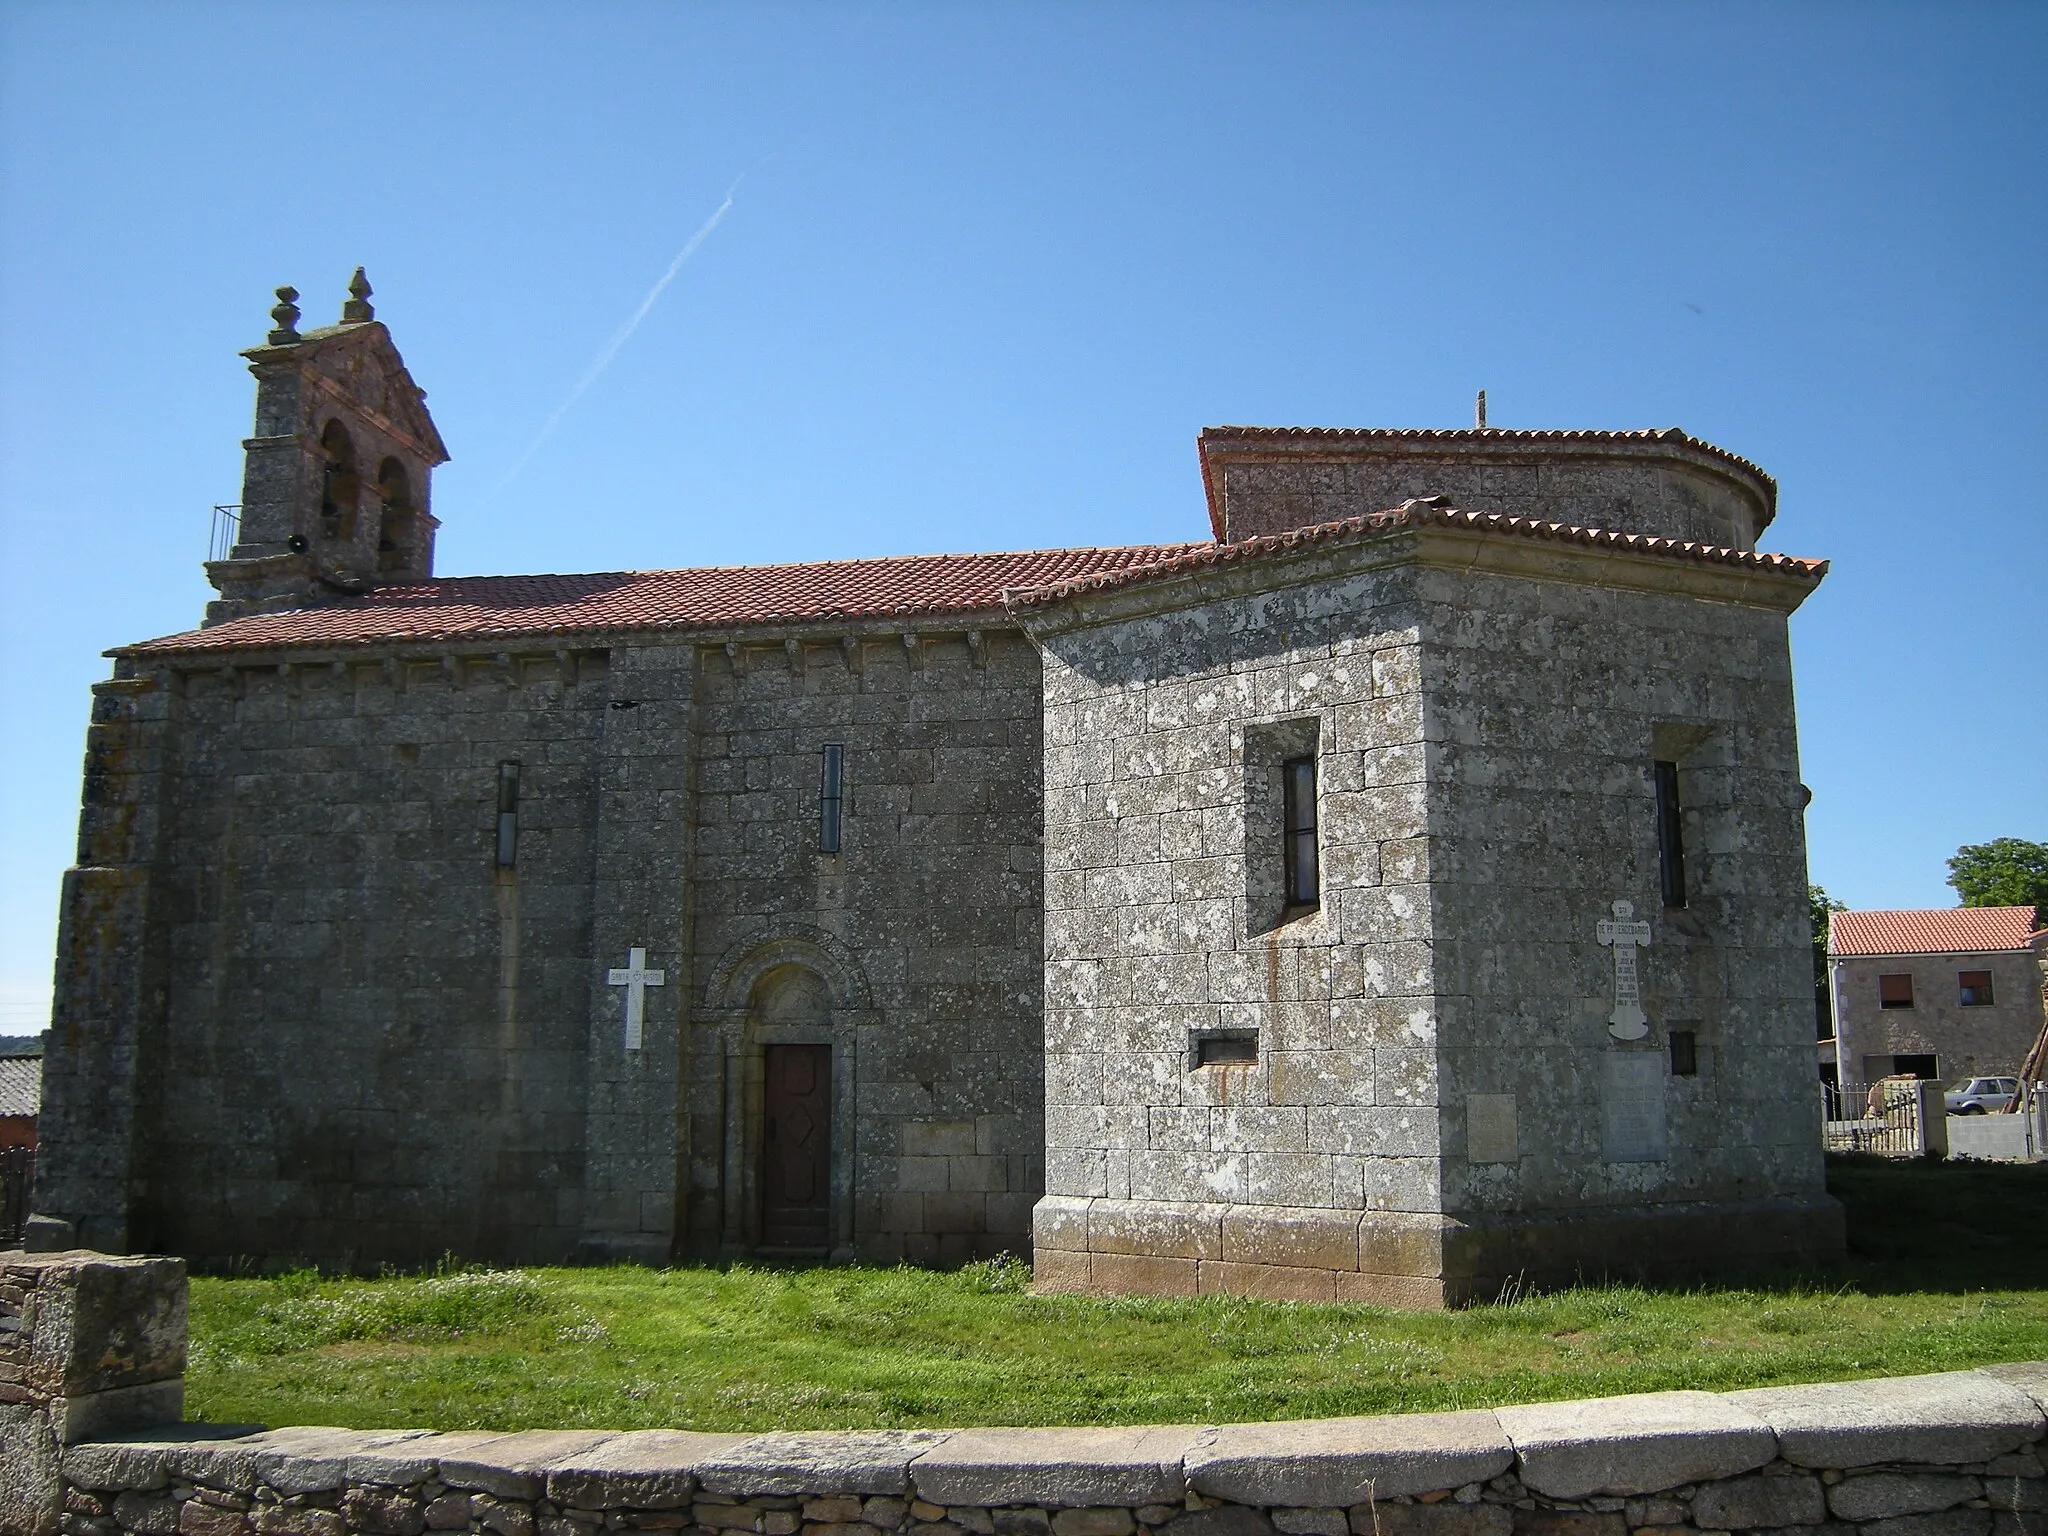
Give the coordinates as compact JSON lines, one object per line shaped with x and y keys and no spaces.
{"x":1943,"y":931}
{"x":1414,"y":514}
{"x":717,"y":597}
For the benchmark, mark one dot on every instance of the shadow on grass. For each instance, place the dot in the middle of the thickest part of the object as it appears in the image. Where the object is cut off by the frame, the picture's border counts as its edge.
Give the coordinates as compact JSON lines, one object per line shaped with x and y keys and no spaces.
{"x":1947,"y":1227}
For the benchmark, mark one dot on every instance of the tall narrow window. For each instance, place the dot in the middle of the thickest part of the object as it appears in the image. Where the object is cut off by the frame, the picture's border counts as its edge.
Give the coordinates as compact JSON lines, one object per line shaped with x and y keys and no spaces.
{"x":831,"y":798}
{"x":508,"y":815}
{"x":1685,"y":1053}
{"x":1670,"y":836}
{"x":1298,"y":792}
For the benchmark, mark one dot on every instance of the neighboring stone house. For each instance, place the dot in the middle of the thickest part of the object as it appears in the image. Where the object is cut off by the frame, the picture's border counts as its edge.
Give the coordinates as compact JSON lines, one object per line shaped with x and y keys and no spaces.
{"x":1944,"y":994}
{"x":1250,"y":914}
{"x":21,"y":1092}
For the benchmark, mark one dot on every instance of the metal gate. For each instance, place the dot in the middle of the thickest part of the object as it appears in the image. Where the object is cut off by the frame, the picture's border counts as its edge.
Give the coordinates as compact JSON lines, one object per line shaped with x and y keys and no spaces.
{"x":17,"y":1179}
{"x":1883,"y":1117}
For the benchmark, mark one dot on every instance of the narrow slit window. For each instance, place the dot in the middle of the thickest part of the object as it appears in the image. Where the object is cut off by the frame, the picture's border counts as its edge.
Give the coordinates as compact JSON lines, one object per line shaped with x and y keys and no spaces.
{"x":831,"y":797}
{"x":1685,"y":1053}
{"x":508,"y":815}
{"x":1895,"y":991}
{"x":1975,"y":987}
{"x":1298,"y":794}
{"x":1670,"y":836}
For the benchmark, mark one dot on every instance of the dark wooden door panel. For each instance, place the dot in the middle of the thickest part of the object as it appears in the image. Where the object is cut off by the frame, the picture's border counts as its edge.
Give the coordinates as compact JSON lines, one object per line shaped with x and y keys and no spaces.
{"x":796,"y":1152}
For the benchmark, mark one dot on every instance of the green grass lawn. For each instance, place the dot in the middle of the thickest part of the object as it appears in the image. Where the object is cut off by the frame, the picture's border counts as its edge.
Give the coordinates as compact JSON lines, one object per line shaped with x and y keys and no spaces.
{"x":1947,"y":1270}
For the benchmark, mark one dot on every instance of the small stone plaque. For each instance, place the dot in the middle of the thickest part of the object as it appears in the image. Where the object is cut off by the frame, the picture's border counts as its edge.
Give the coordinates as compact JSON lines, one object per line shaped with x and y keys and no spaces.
{"x":1633,"y":1128}
{"x":1490,"y":1128}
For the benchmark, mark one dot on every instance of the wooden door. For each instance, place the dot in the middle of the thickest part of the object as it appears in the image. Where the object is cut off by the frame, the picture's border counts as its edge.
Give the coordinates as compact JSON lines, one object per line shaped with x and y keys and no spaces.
{"x":796,"y":1152}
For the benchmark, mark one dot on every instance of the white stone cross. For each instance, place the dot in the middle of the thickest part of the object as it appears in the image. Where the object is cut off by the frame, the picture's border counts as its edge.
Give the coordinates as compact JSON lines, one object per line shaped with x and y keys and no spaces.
{"x":636,"y":978}
{"x":1628,"y":1021}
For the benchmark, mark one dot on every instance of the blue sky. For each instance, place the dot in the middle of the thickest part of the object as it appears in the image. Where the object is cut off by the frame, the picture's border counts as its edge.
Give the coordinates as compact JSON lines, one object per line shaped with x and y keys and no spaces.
{"x":987,"y":271}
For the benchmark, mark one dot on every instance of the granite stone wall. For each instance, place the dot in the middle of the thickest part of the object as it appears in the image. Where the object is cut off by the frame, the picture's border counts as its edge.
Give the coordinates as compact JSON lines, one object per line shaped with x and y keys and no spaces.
{"x":1975,"y":1041}
{"x":913,"y":951}
{"x":1547,"y":705}
{"x":1957,"y":1454}
{"x":1437,"y":1108}
{"x":1165,"y":1175}
{"x":307,"y":1014}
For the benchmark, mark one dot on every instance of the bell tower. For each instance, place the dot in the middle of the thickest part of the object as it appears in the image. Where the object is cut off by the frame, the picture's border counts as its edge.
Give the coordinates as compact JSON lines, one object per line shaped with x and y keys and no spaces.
{"x":335,"y":479}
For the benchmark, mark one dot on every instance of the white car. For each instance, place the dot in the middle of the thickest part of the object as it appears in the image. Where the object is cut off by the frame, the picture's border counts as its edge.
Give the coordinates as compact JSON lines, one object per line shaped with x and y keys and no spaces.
{"x":1981,"y":1095}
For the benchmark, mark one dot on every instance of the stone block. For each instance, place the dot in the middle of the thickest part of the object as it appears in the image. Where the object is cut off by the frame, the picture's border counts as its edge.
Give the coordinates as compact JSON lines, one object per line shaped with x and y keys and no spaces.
{"x":1125,"y":1274}
{"x":1567,"y":1522}
{"x":794,"y":1463}
{"x":378,"y":1513}
{"x":1339,"y":1462}
{"x":1748,"y":1503}
{"x":1954,"y":1522}
{"x":884,"y":1512}
{"x":1226,"y":1520}
{"x":641,"y":1469}
{"x":1158,"y":1228}
{"x":1639,"y":1444}
{"x":148,"y":1514}
{"x":295,"y":1520}
{"x":1054,"y":1271}
{"x":1955,"y":1416}
{"x":835,"y":1510}
{"x":1074,"y":1468}
{"x":199,"y":1518}
{"x":1442,"y":1519}
{"x":1296,"y":1238}
{"x":1093,"y":1522}
{"x":1312,"y":1522}
{"x":1410,"y":1293}
{"x":1882,"y":1495}
{"x":515,"y":1466}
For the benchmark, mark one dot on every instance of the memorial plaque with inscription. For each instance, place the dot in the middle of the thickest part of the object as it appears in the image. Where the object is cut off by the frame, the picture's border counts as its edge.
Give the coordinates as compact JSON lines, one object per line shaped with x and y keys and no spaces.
{"x":1632,"y":1121}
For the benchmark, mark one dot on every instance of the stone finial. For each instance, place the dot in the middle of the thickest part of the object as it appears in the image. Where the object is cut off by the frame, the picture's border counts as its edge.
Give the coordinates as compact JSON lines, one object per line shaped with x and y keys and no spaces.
{"x":285,"y":318}
{"x":357,"y":309}
{"x":1479,"y":412}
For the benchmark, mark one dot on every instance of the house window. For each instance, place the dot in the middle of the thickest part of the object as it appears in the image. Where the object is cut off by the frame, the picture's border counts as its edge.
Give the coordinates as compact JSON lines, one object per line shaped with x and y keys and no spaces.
{"x":1670,"y":835}
{"x":1685,"y":1053}
{"x":831,"y":797}
{"x":1298,"y":795}
{"x":1237,"y":1048}
{"x":1925,"y":1066}
{"x":1975,"y":987}
{"x":508,"y":815}
{"x":1895,"y":991}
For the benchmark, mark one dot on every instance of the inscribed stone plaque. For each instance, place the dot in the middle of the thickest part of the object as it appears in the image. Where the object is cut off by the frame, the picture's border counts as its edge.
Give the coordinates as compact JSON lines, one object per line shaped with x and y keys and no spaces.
{"x":1490,"y":1128}
{"x":1632,"y":1107}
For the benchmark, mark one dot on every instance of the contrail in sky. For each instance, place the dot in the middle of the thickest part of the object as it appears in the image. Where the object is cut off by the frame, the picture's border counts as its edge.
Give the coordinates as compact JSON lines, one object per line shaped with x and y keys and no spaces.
{"x":611,"y":348}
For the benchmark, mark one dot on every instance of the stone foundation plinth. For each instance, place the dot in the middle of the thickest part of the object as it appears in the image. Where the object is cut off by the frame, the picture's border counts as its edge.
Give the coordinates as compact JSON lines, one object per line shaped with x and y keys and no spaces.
{"x":1399,"y":1259}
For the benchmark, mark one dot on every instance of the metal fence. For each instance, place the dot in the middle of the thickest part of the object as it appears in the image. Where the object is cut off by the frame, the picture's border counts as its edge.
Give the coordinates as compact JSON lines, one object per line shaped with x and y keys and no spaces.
{"x":1882,"y":1117}
{"x":227,"y":527}
{"x":17,"y":1179}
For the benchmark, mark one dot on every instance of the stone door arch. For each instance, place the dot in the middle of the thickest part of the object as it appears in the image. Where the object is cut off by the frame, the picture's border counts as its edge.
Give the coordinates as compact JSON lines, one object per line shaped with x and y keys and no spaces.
{"x":793,"y":993}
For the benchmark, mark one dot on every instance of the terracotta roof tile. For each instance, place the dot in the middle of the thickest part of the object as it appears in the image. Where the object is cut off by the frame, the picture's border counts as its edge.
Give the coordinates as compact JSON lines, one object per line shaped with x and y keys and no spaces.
{"x":21,"y":1085}
{"x":717,"y":597}
{"x":1941,"y":931}
{"x":1415,"y":514}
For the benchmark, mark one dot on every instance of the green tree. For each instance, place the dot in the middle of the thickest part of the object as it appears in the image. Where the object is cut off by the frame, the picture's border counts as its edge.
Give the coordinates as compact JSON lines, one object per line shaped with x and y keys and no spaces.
{"x":2005,"y":872}
{"x":1819,"y":903}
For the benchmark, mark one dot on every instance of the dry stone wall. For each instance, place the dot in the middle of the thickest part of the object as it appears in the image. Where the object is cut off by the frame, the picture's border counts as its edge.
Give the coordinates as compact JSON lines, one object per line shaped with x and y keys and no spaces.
{"x":1947,"y":1455}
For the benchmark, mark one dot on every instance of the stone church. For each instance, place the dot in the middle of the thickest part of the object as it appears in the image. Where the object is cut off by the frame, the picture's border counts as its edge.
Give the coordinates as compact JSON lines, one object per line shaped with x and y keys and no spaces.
{"x":1395,"y":893}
